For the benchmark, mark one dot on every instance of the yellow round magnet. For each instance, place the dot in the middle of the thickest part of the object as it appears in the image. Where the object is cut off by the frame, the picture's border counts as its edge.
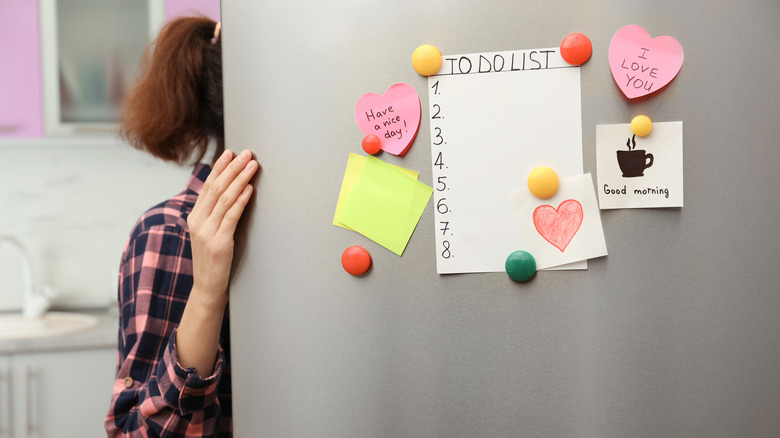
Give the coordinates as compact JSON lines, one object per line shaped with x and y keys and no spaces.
{"x":426,"y":60}
{"x":543,"y":182}
{"x":641,"y":125}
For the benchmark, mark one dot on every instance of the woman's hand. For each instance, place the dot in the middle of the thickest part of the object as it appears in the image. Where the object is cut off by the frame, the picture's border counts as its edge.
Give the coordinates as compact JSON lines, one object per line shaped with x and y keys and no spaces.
{"x":212,"y":225}
{"x":213,"y":222}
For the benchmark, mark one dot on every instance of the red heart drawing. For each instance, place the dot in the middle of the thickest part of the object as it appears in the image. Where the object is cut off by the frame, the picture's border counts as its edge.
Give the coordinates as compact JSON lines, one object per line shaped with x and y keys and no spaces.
{"x":559,"y":226}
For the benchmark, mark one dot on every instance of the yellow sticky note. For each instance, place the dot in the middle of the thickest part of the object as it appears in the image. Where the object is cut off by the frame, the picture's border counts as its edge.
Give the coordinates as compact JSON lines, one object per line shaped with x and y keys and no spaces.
{"x":385,"y":205}
{"x":355,"y":165}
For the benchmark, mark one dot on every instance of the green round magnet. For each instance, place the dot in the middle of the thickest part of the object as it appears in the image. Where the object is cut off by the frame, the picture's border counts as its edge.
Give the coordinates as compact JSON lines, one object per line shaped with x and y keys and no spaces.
{"x":521,"y":266}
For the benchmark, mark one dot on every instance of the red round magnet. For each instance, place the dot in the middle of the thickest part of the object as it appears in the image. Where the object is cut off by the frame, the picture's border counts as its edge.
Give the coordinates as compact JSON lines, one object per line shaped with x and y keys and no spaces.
{"x":356,"y":260}
{"x":372,"y":144}
{"x":576,"y":49}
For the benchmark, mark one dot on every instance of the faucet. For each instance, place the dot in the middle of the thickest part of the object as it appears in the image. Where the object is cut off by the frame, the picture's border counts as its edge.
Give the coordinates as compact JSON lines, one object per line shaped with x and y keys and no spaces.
{"x":36,"y":301}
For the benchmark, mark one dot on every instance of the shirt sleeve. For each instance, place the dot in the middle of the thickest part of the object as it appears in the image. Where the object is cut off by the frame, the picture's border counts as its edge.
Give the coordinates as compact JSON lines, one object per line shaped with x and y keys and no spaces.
{"x":153,"y":394}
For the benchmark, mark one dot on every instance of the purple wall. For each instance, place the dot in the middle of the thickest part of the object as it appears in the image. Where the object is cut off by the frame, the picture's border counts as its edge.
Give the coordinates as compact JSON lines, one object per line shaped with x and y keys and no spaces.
{"x":174,"y":8}
{"x":21,"y":101}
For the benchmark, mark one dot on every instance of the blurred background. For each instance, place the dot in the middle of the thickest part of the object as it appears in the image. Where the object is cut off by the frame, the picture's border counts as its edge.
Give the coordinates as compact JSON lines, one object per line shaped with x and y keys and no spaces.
{"x":70,"y":192}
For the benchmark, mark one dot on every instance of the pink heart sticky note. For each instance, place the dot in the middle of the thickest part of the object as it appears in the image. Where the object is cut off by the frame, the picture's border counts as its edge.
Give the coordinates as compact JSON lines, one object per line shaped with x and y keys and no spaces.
{"x":393,"y":117}
{"x":640,"y":64}
{"x":559,"y":226}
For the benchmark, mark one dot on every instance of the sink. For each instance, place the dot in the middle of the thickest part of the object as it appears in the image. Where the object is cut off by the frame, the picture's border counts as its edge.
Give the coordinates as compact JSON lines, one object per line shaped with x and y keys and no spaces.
{"x":17,"y":326}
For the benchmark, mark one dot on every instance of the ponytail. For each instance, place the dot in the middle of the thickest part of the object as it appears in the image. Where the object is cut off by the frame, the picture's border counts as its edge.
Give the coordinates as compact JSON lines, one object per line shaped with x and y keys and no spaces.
{"x":175,"y":107}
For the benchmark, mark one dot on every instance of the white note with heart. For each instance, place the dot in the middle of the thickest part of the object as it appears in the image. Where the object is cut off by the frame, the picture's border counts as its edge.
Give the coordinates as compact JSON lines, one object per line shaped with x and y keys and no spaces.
{"x":564,"y":228}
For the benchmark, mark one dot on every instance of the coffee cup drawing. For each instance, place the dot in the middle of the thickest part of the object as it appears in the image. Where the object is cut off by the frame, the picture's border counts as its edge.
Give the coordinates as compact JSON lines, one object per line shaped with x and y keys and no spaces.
{"x":633,"y":162}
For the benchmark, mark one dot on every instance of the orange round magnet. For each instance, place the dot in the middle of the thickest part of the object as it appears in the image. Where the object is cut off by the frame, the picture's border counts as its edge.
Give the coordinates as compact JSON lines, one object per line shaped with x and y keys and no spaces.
{"x":641,"y":125}
{"x":576,"y":49}
{"x":356,"y":260}
{"x":426,"y":60}
{"x":372,"y":144}
{"x":543,"y":182}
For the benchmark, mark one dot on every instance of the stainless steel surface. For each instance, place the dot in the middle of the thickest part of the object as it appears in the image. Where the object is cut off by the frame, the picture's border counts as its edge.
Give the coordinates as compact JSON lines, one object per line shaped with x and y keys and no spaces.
{"x":674,"y":334}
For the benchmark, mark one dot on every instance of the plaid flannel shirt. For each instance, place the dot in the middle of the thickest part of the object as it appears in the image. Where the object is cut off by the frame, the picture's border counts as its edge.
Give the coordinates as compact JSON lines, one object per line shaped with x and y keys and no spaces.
{"x":153,"y":394}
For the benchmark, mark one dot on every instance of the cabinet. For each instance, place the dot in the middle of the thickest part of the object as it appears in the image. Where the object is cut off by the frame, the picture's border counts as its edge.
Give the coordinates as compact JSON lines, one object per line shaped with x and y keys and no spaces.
{"x":91,"y":50}
{"x":59,"y":394}
{"x":43,"y":91}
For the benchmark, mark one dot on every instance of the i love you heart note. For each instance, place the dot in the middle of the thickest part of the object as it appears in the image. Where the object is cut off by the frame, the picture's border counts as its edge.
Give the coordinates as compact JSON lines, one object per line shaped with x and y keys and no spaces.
{"x":641,"y":64}
{"x":393,"y":117}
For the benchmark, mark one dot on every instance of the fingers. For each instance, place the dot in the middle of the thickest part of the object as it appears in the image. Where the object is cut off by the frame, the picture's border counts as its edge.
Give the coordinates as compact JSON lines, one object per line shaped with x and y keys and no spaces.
{"x":204,"y":205}
{"x":235,"y":186}
{"x":220,"y":165}
{"x":222,"y":189}
{"x":223,"y":173}
{"x":221,"y":177}
{"x":227,"y":227}
{"x":218,"y":168}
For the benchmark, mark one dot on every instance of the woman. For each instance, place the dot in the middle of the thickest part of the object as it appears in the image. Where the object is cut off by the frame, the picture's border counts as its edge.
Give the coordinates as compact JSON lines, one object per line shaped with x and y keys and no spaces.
{"x":173,"y":370}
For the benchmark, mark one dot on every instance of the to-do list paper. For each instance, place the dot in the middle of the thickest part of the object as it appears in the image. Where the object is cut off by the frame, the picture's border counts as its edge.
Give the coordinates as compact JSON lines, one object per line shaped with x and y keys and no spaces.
{"x":495,"y":117}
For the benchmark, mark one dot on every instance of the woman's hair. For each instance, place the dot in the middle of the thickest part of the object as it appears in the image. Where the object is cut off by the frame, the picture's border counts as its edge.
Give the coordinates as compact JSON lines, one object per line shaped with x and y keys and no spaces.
{"x":175,"y":107}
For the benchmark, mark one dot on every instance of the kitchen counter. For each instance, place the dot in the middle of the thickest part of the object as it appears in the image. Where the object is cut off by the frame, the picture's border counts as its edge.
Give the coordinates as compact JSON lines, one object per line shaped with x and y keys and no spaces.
{"x":104,"y":335}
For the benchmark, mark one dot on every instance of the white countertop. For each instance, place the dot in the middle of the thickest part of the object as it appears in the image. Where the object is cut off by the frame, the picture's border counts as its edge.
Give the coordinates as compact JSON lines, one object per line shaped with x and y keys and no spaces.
{"x":104,"y":335}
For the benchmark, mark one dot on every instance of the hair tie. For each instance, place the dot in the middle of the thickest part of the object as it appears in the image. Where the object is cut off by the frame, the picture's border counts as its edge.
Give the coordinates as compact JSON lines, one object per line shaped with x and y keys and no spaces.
{"x":217,"y":29}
